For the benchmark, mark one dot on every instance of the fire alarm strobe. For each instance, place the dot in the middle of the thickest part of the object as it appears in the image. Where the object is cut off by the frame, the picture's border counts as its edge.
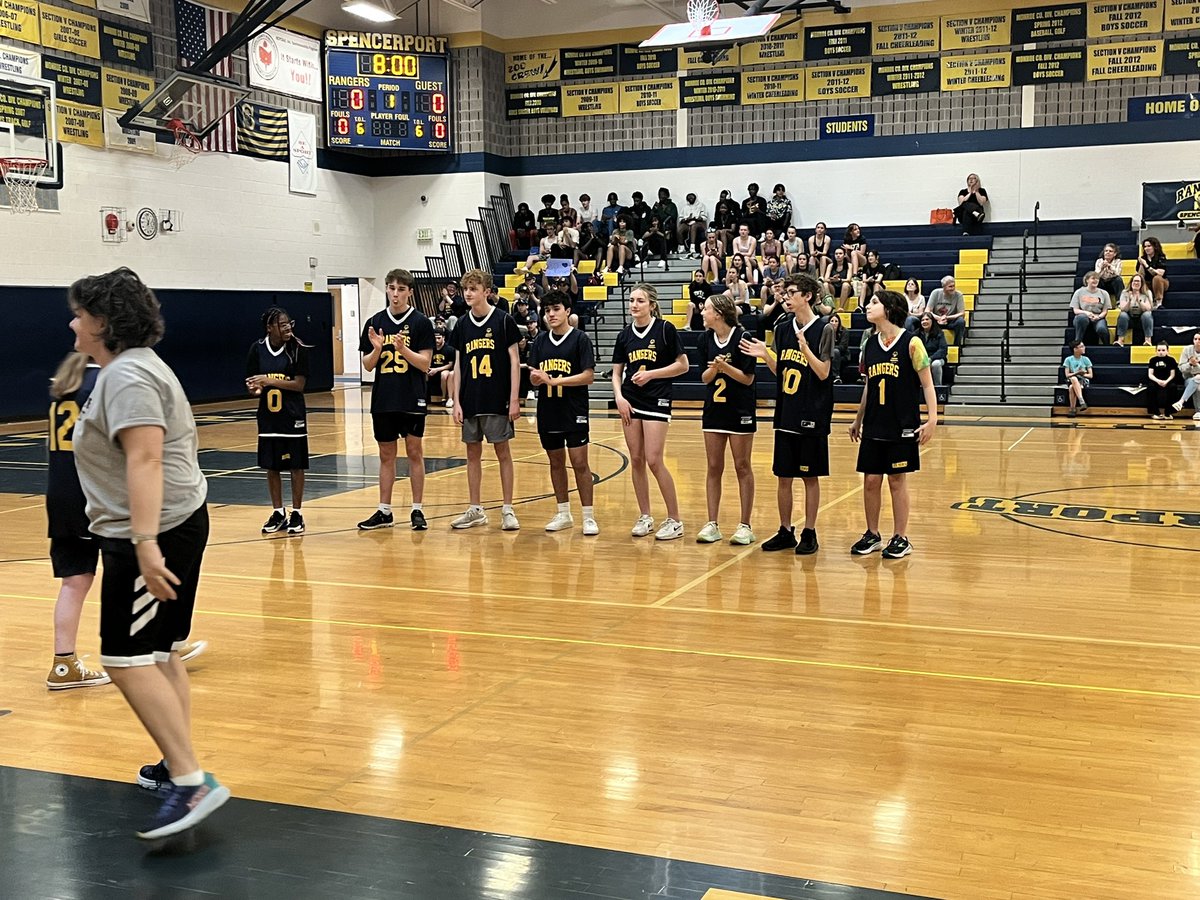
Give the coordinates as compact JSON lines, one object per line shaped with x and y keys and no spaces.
{"x":147,"y":223}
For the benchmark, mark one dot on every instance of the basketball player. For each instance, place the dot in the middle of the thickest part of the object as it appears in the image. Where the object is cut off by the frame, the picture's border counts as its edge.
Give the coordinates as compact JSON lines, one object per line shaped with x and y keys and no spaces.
{"x":487,"y":377}
{"x":561,"y":366}
{"x":646,"y":357}
{"x":729,"y":413}
{"x":276,"y":372}
{"x":397,"y":344}
{"x":801,"y":360}
{"x":888,"y":422}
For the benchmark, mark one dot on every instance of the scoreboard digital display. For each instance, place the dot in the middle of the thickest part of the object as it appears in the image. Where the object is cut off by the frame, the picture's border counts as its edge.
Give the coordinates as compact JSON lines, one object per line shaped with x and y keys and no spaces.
{"x":380,"y":95}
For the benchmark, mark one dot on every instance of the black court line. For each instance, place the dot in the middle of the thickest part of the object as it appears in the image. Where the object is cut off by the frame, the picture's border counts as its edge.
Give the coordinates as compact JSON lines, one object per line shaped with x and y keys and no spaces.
{"x":66,"y":836}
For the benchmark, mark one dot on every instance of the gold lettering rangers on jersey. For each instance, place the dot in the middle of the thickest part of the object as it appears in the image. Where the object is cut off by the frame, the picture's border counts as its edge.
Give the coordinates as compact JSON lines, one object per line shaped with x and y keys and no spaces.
{"x":556,"y":365}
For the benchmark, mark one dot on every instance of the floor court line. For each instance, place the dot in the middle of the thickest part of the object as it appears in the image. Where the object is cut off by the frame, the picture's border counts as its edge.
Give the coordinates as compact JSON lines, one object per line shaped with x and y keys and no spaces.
{"x":1018,"y":440}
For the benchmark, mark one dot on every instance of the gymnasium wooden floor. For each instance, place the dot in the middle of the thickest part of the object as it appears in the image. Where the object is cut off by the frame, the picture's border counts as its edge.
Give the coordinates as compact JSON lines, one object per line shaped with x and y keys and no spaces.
{"x":1011,"y":712}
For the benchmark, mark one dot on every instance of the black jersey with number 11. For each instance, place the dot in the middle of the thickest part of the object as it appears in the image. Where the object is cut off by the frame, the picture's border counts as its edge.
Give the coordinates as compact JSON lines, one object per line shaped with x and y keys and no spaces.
{"x":562,"y":409}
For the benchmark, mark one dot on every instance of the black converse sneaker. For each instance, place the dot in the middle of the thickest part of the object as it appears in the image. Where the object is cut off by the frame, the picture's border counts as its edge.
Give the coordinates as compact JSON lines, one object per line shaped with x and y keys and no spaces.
{"x":897,"y":547}
{"x":868,"y":543}
{"x":275,"y":523}
{"x":377,"y":519}
{"x":784,"y":539}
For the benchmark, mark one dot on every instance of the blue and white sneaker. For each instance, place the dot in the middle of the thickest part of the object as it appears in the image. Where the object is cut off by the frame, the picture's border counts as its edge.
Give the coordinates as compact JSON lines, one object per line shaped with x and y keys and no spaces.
{"x":185,"y":807}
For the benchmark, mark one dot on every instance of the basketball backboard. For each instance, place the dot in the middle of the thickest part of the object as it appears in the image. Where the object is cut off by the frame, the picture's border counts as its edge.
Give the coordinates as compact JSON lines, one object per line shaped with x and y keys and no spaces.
{"x":718,"y":31}
{"x":27,"y":124}
{"x":199,"y":100}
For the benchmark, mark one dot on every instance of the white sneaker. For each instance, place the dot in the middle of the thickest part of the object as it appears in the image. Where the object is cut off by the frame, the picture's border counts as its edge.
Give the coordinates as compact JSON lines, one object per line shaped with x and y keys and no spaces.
{"x":508,"y":522}
{"x":743,"y":535}
{"x":709,"y":534}
{"x":590,"y":527}
{"x":670,"y":530}
{"x":531,"y":395}
{"x":470,"y":519}
{"x":1196,"y":416}
{"x":620,"y":270}
{"x":449,"y":403}
{"x":191,"y":650}
{"x":642,"y":526}
{"x":663,"y":265}
{"x":561,"y":522}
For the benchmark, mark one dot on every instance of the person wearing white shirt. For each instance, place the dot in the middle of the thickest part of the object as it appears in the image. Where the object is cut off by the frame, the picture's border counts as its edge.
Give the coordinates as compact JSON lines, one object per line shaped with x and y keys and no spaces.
{"x":587,"y":212}
{"x":693,"y":223}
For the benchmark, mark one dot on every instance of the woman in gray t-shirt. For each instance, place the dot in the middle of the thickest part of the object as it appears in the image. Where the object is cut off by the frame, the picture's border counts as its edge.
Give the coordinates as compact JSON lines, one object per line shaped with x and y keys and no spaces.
{"x":135,"y":450}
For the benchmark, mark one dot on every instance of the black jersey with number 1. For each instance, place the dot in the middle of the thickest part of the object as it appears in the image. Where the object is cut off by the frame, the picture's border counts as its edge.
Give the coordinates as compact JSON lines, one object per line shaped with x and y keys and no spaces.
{"x":562,"y":409}
{"x":729,"y":405}
{"x":65,"y":503}
{"x":655,"y":347}
{"x":482,"y":362}
{"x":281,"y":412}
{"x":399,"y":387}
{"x":893,"y":410}
{"x":804,"y":404}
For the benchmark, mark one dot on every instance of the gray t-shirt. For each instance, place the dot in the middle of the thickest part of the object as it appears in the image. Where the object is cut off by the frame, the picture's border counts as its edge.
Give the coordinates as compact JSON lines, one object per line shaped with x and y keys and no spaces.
{"x":136,"y":388}
{"x":943,"y":304}
{"x":1084,"y":300}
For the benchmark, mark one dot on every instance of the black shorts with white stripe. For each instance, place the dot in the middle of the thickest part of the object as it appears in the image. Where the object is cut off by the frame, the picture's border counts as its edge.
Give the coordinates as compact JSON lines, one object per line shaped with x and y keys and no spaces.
{"x":136,"y":629}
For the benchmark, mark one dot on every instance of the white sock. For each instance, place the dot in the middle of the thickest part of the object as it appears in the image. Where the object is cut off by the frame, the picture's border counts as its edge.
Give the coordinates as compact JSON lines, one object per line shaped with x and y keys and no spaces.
{"x":417,"y":507}
{"x":281,"y":511}
{"x":506,"y":508}
{"x":589,"y":512}
{"x":475,"y":507}
{"x":565,"y":507}
{"x":385,"y":508}
{"x":194,"y":780}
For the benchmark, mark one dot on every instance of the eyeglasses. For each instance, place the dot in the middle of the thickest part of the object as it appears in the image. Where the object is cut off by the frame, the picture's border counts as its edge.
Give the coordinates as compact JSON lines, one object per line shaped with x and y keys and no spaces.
{"x":289,"y":324}
{"x":792,"y":290}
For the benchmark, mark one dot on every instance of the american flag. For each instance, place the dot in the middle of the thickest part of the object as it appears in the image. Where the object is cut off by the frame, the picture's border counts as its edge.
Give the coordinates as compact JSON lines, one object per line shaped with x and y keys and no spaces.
{"x":198,"y":28}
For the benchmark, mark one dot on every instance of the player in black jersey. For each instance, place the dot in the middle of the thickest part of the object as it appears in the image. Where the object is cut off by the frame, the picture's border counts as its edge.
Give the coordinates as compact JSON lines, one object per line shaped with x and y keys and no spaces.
{"x":646,"y":358}
{"x":441,"y":366}
{"x":276,"y":372}
{"x":487,"y":376}
{"x":397,"y":344}
{"x":729,"y":413}
{"x":888,"y":422}
{"x":561,"y":366}
{"x":801,"y":360}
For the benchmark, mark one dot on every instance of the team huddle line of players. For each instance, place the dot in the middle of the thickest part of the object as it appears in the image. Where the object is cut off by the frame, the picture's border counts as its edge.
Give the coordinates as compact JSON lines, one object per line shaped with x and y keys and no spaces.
{"x":398,"y":344}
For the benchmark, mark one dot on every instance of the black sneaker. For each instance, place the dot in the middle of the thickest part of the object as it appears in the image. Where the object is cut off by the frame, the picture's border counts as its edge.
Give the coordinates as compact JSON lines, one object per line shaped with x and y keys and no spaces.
{"x":275,"y":523}
{"x":295,"y":523}
{"x":808,"y":542}
{"x":378,"y":519}
{"x":154,"y":777}
{"x":418,"y":520}
{"x":784,"y":539}
{"x":897,"y":547}
{"x":868,"y":543}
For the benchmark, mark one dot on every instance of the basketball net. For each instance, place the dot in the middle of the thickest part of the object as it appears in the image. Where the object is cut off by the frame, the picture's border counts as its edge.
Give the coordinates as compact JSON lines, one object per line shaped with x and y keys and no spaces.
{"x":703,"y":13}
{"x":187,"y":145}
{"x":21,"y":178}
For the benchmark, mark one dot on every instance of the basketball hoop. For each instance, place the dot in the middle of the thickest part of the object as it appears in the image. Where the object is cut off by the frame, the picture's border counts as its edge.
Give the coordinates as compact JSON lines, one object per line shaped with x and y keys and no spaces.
{"x":703,"y":12}
{"x":187,"y":145}
{"x":21,"y":178}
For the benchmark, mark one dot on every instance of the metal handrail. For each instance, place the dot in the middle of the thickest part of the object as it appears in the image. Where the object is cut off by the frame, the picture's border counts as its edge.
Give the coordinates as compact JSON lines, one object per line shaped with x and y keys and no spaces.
{"x":1005,"y":350}
{"x":1036,"y":228}
{"x":1021,"y":283}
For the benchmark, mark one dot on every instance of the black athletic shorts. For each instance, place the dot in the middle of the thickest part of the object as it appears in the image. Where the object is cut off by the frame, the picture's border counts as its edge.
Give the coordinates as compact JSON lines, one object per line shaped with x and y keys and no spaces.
{"x":800,"y":455}
{"x":74,"y":556}
{"x":876,"y":457}
{"x":136,"y":629}
{"x":661,"y":412}
{"x":283,"y":454}
{"x":557,"y":440}
{"x":390,"y":426}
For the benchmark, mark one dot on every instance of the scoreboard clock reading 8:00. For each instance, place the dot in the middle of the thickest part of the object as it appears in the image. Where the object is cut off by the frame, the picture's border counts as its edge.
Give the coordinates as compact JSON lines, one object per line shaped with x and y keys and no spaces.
{"x":387,"y":91}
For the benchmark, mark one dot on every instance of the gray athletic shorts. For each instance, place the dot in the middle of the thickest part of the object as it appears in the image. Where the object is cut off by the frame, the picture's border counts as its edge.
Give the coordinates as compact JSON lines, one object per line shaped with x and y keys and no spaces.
{"x":497,"y":429}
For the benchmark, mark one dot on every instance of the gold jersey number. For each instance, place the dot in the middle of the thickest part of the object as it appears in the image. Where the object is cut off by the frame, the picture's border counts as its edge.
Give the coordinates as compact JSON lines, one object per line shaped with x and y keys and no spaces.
{"x":63,"y":416}
{"x":392,"y":362}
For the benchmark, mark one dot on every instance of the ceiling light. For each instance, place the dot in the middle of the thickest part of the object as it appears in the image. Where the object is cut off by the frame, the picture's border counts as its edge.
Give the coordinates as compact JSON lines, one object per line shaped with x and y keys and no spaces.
{"x":365,"y":9}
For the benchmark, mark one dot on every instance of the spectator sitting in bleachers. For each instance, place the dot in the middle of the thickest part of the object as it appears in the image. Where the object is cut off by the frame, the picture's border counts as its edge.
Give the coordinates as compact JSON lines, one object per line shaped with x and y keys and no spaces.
{"x":608,"y":217}
{"x":931,"y":336}
{"x":746,"y":246}
{"x":839,"y":281}
{"x":841,"y":346}
{"x":1108,"y":266}
{"x":916,"y":304}
{"x":591,"y":246}
{"x":870,"y":278}
{"x":779,"y":210}
{"x":1163,"y":376}
{"x":1189,"y":369}
{"x":949,"y":308}
{"x":566,"y":242}
{"x":668,"y":215}
{"x":544,"y":248}
{"x":1089,"y":305}
{"x":1152,"y":266}
{"x":588,"y":214}
{"x":793,"y":248}
{"x":738,"y":291}
{"x":524,"y":227}
{"x":547,"y":215}
{"x":445,"y":313}
{"x":1136,"y":301}
{"x":712,"y":256}
{"x":698,"y":291}
{"x":855,"y":246}
{"x":772,"y":309}
{"x":820,"y":249}
{"x":622,"y":247}
{"x":530,"y":290}
{"x":725,"y":220}
{"x":739,"y":265}
{"x":1079,"y":372}
{"x":458,"y":303}
{"x":638,"y":214}
{"x":654,"y":243}
{"x":770,"y":245}
{"x":754,"y":212}
{"x":773,"y":272}
{"x":972,"y":208}
{"x":693,"y":223}
{"x":566,"y":214}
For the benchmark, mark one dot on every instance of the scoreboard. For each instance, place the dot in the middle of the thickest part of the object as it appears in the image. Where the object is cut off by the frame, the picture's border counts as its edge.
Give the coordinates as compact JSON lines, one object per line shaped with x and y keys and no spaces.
{"x":381,"y":94}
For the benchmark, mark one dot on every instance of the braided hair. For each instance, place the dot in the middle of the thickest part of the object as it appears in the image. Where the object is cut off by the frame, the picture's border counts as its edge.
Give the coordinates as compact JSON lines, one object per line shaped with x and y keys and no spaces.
{"x":291,"y":348}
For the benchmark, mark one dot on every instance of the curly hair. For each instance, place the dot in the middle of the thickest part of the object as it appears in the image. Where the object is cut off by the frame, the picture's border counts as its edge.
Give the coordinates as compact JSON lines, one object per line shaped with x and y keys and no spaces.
{"x":131,"y":313}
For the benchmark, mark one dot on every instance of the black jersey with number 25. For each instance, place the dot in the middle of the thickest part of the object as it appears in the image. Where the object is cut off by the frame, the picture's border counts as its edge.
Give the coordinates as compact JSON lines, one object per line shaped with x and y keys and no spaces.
{"x":399,"y":387}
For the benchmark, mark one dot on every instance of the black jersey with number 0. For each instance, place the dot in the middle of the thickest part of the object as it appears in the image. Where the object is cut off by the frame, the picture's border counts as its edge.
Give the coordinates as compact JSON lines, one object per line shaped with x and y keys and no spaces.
{"x":562,"y":408}
{"x":65,"y":503}
{"x":804,"y":403}
{"x":281,"y":412}
{"x":483,"y":364}
{"x":655,"y":347}
{"x":893,"y":409}
{"x":728,"y":404}
{"x":399,"y":386}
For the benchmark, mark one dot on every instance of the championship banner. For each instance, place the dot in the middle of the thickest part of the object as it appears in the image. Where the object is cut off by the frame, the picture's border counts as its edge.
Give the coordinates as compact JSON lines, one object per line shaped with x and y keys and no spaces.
{"x":70,"y":31}
{"x":75,"y":82}
{"x":649,"y":96}
{"x":1118,"y":19}
{"x":128,"y":139}
{"x":78,"y":124}
{"x":1151,"y":109}
{"x":122,"y":89}
{"x":1171,"y":201}
{"x":302,"y":142}
{"x":837,"y":82}
{"x":530,"y":67}
{"x":590,"y":100}
{"x":1039,"y":24}
{"x":910,"y":76}
{"x":27,"y":63}
{"x":24,"y":111}
{"x":1108,"y":62}
{"x":533,"y":103}
{"x":286,"y":63}
{"x":837,"y":41}
{"x":19,"y":20}
{"x":719,"y":56}
{"x":846,"y":127}
{"x":975,"y":72}
{"x":632,"y":60}
{"x":778,"y":47}
{"x":912,"y":36}
{"x":1181,"y":15}
{"x":972,"y":32}
{"x":126,"y":45}
{"x":1181,"y":56}
{"x":134,"y":9}
{"x":723,"y":89}
{"x":1062,"y":65}
{"x":588,"y":62}
{"x":778,"y":86}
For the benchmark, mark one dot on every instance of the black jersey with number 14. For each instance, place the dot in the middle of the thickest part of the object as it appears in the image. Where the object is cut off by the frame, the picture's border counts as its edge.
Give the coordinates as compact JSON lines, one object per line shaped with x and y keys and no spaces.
{"x":483,"y":364}
{"x":399,"y":386}
{"x":281,"y":412}
{"x":562,"y":409}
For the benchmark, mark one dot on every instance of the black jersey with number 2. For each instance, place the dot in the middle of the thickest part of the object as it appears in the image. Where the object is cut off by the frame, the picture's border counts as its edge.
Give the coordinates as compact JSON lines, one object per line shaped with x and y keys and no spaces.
{"x":65,"y":503}
{"x":562,"y":409}
{"x":482,"y":362}
{"x":804,"y":404}
{"x":655,"y":347}
{"x":728,"y":404}
{"x":894,"y":392}
{"x":399,"y":387}
{"x":281,"y":412}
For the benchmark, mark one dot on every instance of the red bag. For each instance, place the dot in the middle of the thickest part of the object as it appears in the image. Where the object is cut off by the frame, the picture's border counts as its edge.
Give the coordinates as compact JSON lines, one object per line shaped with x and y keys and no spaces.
{"x":941,"y":217}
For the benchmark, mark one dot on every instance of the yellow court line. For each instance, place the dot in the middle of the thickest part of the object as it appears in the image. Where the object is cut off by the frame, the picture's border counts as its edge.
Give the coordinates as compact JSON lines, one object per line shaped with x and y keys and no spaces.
{"x":19,"y":508}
